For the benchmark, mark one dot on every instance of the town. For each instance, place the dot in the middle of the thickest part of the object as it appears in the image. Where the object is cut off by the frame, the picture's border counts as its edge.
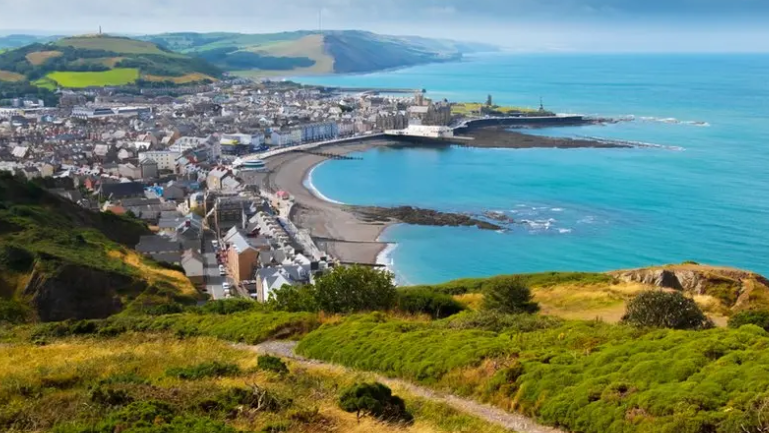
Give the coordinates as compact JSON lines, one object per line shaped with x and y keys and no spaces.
{"x":187,"y":162}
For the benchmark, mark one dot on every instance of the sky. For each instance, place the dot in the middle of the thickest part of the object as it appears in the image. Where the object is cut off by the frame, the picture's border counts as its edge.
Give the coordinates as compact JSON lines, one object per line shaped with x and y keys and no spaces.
{"x":525,"y":25}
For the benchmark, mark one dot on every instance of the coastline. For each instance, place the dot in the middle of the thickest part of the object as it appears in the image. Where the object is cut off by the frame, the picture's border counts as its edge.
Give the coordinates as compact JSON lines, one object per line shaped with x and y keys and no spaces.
{"x":334,"y":229}
{"x":344,"y":233}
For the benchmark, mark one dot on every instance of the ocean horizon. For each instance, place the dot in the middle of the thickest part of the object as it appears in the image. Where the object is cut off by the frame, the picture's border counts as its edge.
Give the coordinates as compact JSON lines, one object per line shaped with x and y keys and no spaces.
{"x":695,"y":191}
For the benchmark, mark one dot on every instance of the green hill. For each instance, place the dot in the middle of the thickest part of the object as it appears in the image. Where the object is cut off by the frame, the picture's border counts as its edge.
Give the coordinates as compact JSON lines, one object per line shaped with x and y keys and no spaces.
{"x":96,"y":61}
{"x":305,"y":52}
{"x":59,"y":261}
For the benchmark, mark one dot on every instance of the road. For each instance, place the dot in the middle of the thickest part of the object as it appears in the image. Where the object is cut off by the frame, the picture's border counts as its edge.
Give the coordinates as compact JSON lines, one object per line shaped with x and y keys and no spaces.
{"x":213,"y":279}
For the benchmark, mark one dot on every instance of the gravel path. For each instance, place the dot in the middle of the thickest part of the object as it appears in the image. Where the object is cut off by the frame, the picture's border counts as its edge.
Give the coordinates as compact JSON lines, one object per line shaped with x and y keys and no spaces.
{"x":516,"y":422}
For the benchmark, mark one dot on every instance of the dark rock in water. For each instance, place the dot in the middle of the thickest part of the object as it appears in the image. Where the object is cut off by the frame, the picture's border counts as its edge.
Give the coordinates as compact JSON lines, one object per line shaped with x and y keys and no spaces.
{"x":417,"y":216}
{"x":499,"y":216}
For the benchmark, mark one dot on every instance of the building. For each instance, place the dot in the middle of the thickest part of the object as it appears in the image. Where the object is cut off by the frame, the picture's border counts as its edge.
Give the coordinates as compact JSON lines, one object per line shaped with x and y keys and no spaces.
{"x":215,"y":178}
{"x":119,"y":191}
{"x":130,"y":171}
{"x":243,"y":254}
{"x":148,"y":168}
{"x":194,"y":268}
{"x":165,"y":159}
{"x":83,"y":112}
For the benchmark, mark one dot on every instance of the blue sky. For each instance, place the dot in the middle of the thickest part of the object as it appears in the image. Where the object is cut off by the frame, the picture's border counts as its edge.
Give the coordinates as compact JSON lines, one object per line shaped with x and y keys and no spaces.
{"x":526,"y":25}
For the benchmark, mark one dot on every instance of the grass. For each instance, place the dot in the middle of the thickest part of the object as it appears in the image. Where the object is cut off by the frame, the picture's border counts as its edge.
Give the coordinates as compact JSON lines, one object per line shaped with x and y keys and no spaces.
{"x":114,"y":77}
{"x":46,"y":83}
{"x":584,"y":376}
{"x":184,"y":79}
{"x":114,"y":44}
{"x":10,"y":76}
{"x":39,"y":57}
{"x":474,"y":108}
{"x":79,"y":384}
{"x":311,"y":46}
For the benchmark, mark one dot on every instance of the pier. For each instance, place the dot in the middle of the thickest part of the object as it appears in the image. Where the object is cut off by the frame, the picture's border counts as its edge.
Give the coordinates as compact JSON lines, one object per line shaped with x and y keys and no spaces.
{"x":328,"y":155}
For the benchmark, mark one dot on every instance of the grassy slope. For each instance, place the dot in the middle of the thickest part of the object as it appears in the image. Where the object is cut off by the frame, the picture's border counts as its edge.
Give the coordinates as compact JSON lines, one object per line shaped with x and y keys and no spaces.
{"x":49,"y":237}
{"x":311,"y":46}
{"x":115,"y":44}
{"x":77,"y":383}
{"x":589,"y":377}
{"x":40,"y":57}
{"x":114,"y":77}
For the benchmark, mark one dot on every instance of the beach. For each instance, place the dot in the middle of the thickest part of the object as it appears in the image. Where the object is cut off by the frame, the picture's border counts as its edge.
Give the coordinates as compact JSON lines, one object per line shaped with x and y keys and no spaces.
{"x":334,"y":229}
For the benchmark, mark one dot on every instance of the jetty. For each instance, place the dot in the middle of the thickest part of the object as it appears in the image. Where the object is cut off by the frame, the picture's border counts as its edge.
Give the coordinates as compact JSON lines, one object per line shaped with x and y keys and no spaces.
{"x":327,"y":155}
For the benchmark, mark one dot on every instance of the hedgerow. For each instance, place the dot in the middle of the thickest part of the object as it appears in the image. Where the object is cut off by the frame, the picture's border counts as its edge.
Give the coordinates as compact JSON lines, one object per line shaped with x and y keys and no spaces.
{"x":589,"y":377}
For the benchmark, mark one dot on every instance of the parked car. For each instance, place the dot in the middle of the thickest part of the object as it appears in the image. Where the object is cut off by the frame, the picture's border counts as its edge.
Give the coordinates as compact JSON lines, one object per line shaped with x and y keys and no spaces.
{"x":215,"y":243}
{"x":222,"y":271}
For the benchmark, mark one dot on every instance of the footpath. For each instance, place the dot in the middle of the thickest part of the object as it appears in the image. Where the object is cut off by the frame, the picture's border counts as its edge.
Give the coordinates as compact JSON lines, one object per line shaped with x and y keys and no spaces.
{"x":512,"y":421}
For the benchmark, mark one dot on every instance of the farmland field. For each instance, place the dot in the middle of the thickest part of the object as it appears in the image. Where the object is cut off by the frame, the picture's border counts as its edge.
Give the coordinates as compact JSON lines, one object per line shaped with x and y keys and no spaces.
{"x":114,"y":77}
{"x":114,"y":44}
{"x":10,"y":76}
{"x":39,"y":57}
{"x":184,"y":79}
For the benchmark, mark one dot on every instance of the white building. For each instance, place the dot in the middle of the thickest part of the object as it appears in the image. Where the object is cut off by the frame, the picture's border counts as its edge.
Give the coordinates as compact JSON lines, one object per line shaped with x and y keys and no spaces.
{"x":166,"y":159}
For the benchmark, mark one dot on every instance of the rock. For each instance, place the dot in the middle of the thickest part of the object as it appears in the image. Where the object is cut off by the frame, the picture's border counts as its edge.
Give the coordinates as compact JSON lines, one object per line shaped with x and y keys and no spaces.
{"x":417,"y":216}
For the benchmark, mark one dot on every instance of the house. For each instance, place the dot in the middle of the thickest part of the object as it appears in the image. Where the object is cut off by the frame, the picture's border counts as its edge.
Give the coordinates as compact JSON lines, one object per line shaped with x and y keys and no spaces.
{"x":215,"y":178}
{"x":148,"y":168}
{"x":130,"y":171}
{"x":270,"y":279}
{"x":243,"y":254}
{"x":160,"y":248}
{"x":194,"y":268}
{"x":166,"y":160}
{"x":31,"y":172}
{"x":174,"y":192}
{"x":118,"y":191}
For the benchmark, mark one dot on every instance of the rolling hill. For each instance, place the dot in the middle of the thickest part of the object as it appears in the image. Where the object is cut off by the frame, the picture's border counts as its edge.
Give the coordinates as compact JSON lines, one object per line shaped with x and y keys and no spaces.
{"x":59,"y":261}
{"x":100,"y":60}
{"x":306,"y":52}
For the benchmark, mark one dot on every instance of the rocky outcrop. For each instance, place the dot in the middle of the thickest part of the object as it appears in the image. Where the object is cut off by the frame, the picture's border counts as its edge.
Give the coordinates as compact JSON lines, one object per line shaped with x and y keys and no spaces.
{"x":417,"y":216}
{"x":77,"y":292}
{"x":736,"y":289}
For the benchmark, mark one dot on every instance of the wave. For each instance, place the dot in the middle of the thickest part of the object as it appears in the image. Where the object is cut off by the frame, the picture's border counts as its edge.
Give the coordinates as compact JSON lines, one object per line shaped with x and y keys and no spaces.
{"x":674,"y":121}
{"x":385,"y":258}
{"x":638,"y":144}
{"x":564,"y":231}
{"x":313,"y":190}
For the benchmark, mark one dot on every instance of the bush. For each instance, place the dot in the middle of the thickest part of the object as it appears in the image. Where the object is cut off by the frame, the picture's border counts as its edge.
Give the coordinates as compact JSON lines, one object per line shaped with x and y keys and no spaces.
{"x":375,"y":400}
{"x":508,"y":295}
{"x":351,"y":289}
{"x":228,"y":306}
{"x":207,"y":369}
{"x":660,"y":309}
{"x":422,"y":301}
{"x":271,"y":363}
{"x":496,"y":322}
{"x":759,"y":318}
{"x":294,"y":299}
{"x":13,"y":311}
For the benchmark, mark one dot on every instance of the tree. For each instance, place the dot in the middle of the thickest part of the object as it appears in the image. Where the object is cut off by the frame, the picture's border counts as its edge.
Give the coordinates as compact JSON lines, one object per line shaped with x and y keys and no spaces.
{"x":489,"y":101}
{"x":375,"y":400}
{"x":350,"y":289}
{"x":662,"y":309}
{"x":508,"y":295}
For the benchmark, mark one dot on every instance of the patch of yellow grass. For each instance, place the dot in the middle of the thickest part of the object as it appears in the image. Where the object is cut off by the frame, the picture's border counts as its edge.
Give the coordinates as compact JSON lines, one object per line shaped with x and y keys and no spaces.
{"x":153,"y":274}
{"x":39,"y":57}
{"x":601,"y":301}
{"x":10,"y":76}
{"x":312,"y":47}
{"x":184,"y":79}
{"x":472,"y":301}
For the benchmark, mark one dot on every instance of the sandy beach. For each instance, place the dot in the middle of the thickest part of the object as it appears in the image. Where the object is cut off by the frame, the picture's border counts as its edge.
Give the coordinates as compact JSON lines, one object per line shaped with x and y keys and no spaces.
{"x":334,"y":229}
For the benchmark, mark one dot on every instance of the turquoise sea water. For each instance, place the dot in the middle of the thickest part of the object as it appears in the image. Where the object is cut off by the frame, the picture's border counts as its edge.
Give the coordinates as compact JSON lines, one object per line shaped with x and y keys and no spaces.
{"x":585,"y":209}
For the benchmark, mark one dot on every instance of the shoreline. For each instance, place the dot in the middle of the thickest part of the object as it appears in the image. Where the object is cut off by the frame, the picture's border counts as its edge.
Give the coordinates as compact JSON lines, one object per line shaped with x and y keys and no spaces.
{"x":340,"y":231}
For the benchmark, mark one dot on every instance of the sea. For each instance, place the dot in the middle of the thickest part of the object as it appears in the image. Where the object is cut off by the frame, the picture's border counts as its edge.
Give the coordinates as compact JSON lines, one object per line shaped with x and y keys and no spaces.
{"x":698,"y":190}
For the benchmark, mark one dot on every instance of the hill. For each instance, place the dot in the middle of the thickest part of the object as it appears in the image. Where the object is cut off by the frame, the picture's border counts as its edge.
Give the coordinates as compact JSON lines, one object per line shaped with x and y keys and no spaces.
{"x":305,"y":52}
{"x":59,"y":261}
{"x":98,"y":60}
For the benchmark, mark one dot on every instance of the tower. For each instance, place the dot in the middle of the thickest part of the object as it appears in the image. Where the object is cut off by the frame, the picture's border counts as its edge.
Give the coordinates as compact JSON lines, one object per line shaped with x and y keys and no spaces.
{"x":541,"y":104}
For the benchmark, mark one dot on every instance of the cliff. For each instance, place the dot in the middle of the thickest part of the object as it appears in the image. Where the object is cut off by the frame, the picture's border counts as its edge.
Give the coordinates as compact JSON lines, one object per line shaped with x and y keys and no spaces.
{"x":59,"y":261}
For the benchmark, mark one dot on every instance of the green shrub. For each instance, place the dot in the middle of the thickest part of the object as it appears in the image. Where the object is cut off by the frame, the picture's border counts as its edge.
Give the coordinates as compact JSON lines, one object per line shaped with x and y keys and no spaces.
{"x":349,"y":289}
{"x":497,"y":322}
{"x":422,"y":301}
{"x":207,"y":369}
{"x":294,"y":299}
{"x":13,"y":311}
{"x":661,"y":309}
{"x":759,"y":318}
{"x":375,"y":400}
{"x":228,"y":306}
{"x":15,"y":258}
{"x":271,"y":363}
{"x":509,"y":295}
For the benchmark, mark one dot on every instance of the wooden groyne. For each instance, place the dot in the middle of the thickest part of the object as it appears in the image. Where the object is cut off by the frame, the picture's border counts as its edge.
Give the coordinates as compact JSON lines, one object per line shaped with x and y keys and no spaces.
{"x":328,"y":155}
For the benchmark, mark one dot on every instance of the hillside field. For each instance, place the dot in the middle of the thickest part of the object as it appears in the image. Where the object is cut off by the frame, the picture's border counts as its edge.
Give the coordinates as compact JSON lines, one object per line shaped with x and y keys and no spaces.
{"x":10,"y":76}
{"x":114,"y":44}
{"x":113,"y":77}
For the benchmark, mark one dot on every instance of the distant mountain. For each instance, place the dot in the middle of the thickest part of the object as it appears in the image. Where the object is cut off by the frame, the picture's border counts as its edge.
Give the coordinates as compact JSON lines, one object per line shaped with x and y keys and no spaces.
{"x":16,"y":41}
{"x":99,"y":60}
{"x":307,"y":52}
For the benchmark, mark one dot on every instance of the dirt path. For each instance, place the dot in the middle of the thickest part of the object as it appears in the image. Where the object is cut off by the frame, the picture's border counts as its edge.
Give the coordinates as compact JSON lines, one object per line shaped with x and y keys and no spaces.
{"x":516,"y":422}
